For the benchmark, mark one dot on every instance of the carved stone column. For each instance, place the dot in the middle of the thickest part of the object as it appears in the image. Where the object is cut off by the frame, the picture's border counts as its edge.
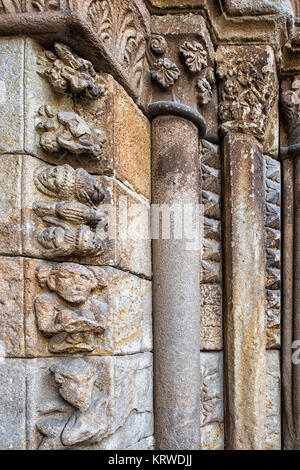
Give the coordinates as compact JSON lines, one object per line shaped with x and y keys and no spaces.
{"x":181,"y":67}
{"x":290,"y":153}
{"x":247,"y":83}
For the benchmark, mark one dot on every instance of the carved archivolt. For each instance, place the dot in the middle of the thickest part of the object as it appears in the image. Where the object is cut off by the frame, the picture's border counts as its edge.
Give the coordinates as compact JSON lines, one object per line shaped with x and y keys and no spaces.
{"x":67,"y":315}
{"x":79,"y":384}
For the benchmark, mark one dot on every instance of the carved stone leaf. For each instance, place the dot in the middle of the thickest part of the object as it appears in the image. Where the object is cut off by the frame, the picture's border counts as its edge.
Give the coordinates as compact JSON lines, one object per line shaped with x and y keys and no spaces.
{"x":195,"y":55}
{"x":165,"y":72}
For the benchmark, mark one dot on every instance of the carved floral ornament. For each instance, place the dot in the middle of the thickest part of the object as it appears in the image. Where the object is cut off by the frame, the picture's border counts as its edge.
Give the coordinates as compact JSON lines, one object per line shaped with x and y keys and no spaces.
{"x":80,"y":386}
{"x":247,"y":96}
{"x":165,"y":72}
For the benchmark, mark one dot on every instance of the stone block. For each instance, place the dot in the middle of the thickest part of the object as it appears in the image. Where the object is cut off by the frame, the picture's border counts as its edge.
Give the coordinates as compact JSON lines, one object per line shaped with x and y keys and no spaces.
{"x":126,"y":313}
{"x":211,"y":317}
{"x":10,"y":205}
{"x":12,"y":95}
{"x":273,"y":401}
{"x":110,"y":406}
{"x":127,"y":242}
{"x":13,"y":404}
{"x":11,"y":307}
{"x":212,"y":414}
{"x":131,"y":144}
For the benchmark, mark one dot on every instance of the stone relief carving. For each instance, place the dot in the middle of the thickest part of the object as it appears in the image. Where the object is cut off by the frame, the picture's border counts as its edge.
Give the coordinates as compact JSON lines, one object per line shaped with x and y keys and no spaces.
{"x":63,"y":182}
{"x":73,"y":212}
{"x":79,"y":385}
{"x":211,"y":199}
{"x":165,"y":72}
{"x":247,"y":95}
{"x":121,"y":29}
{"x":63,"y":240}
{"x":67,"y":315}
{"x":273,"y":248}
{"x":69,"y":73}
{"x":23,"y":6}
{"x":68,"y":131}
{"x":69,"y":232}
{"x":290,"y":102}
{"x":195,"y":55}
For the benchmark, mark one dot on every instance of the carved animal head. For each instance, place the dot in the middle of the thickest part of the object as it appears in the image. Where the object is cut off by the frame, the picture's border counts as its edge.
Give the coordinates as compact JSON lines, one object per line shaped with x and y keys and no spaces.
{"x":72,"y":282}
{"x":76,"y":381}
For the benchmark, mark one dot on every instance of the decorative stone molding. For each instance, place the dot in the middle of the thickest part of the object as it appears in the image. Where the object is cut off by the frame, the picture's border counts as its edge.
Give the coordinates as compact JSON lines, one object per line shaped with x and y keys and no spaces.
{"x":273,"y":250}
{"x":79,"y":385}
{"x":67,"y":315}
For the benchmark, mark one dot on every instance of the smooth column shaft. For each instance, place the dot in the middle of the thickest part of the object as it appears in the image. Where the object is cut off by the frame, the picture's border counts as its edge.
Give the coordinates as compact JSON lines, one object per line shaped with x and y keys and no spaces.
{"x":176,"y":290}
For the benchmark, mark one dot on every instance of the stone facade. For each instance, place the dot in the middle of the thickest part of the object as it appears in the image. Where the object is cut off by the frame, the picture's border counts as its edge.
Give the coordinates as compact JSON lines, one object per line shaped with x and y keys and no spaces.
{"x":150,"y":207}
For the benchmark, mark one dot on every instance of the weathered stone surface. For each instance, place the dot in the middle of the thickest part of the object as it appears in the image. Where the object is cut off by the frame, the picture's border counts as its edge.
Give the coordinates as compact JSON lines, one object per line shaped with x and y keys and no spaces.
{"x":245,"y":331}
{"x":211,"y":272}
{"x":126,"y":151}
{"x":11,"y":307}
{"x":124,"y":300}
{"x":273,"y":250}
{"x":211,"y":317}
{"x":10,"y":205}
{"x":12,"y":95}
{"x":118,"y":412}
{"x":38,"y":92}
{"x":100,"y":37}
{"x":273,"y":401}
{"x":143,"y":444}
{"x":13,"y":404}
{"x":248,"y":93}
{"x":125,"y":245}
{"x":183,"y":70}
{"x":125,"y":131}
{"x":131,"y":143}
{"x":212,"y":414}
{"x":176,"y":299}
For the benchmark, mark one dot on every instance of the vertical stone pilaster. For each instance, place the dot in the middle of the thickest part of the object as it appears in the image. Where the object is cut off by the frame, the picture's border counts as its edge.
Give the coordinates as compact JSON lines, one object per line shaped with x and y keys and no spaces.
{"x":245,"y":332}
{"x":248,"y":123}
